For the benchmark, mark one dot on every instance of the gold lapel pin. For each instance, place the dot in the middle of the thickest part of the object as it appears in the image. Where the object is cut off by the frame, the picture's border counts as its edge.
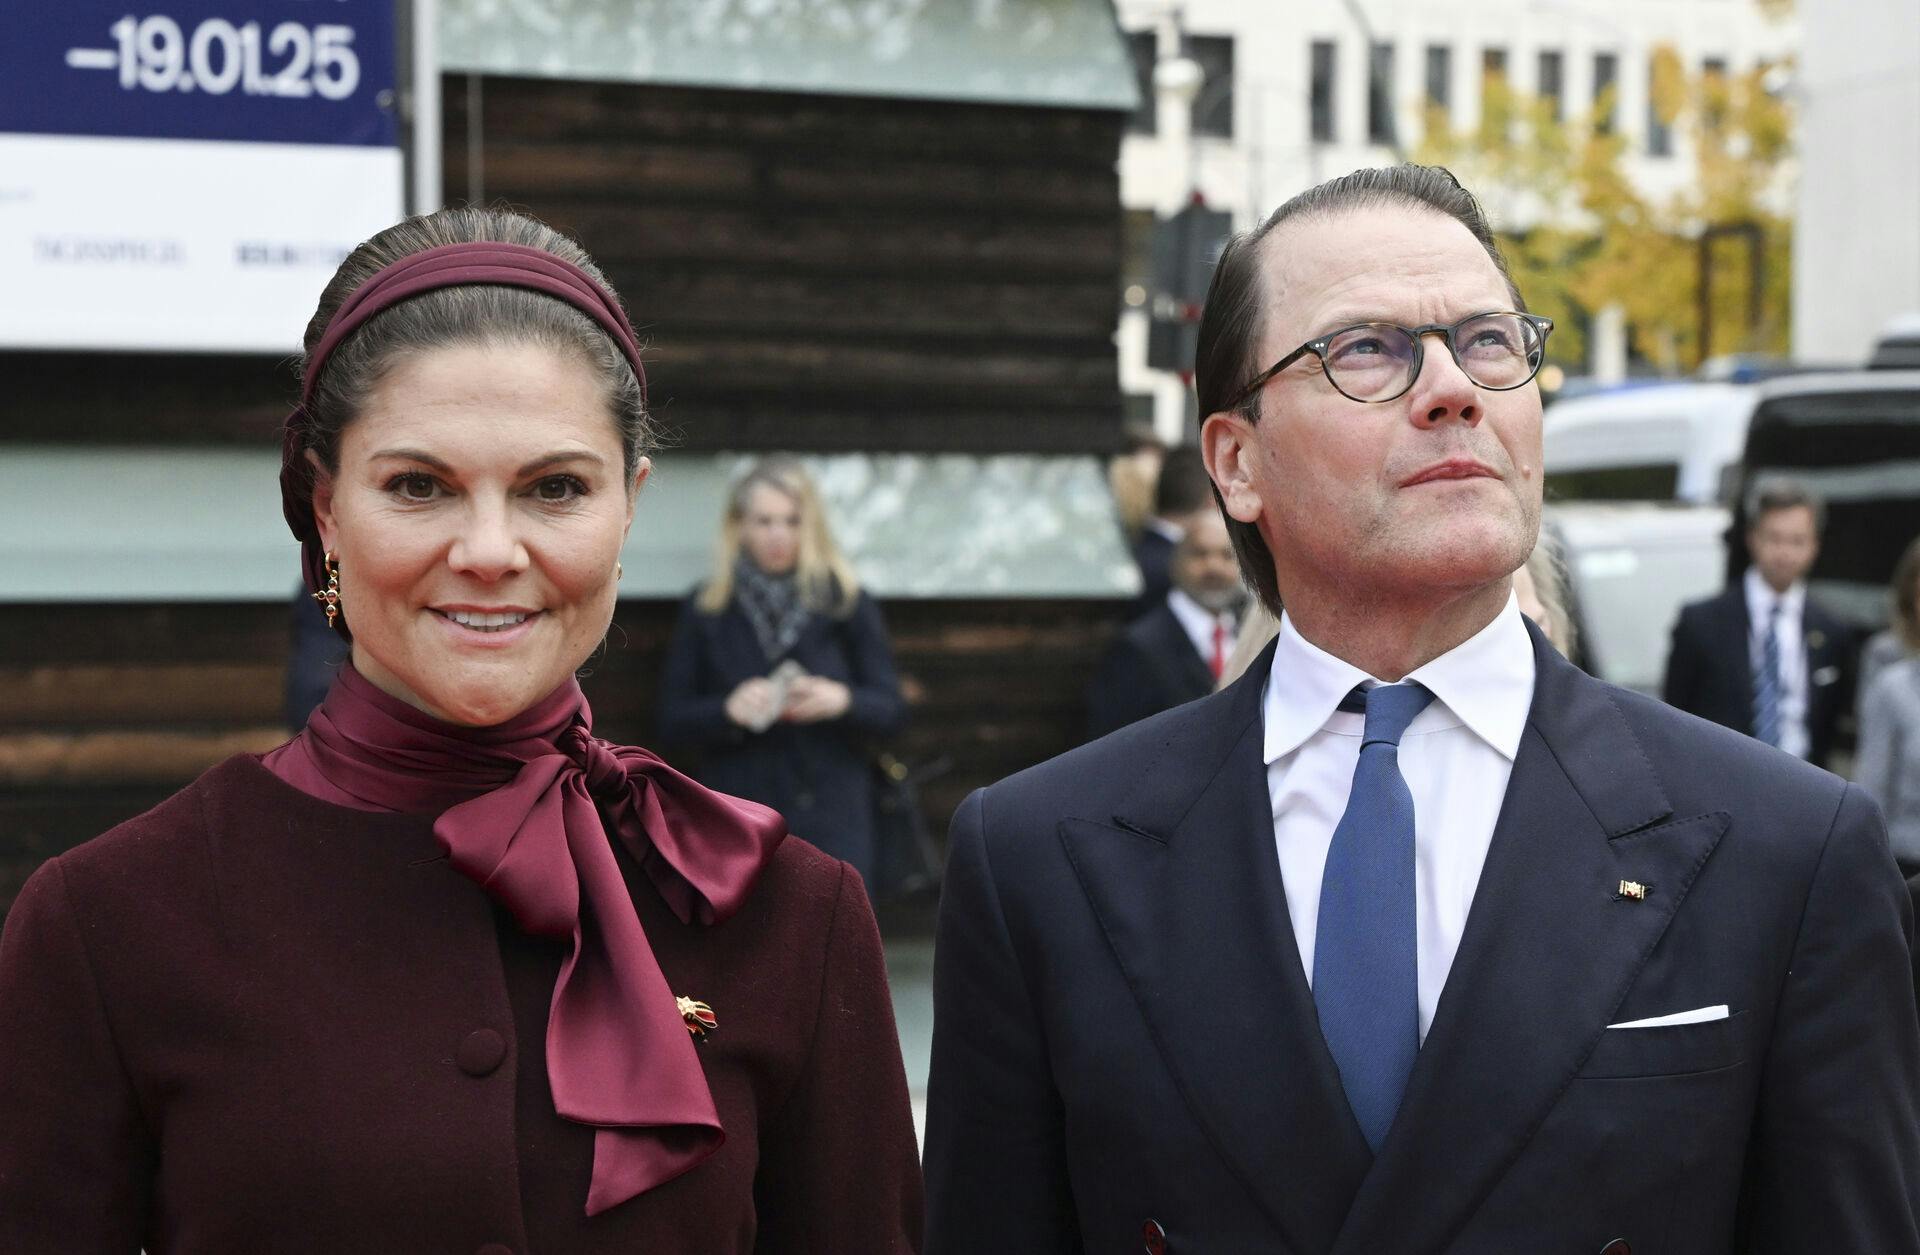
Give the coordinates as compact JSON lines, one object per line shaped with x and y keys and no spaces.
{"x":698,"y":1015}
{"x":1633,"y":889}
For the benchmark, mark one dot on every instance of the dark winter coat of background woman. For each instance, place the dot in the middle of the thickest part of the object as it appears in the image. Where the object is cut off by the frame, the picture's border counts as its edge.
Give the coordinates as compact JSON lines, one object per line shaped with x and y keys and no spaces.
{"x":797,"y":738}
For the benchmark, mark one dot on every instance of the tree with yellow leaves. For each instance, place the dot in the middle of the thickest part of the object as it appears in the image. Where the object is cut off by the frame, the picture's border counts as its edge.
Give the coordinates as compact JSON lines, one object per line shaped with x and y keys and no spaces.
{"x":1591,"y":238}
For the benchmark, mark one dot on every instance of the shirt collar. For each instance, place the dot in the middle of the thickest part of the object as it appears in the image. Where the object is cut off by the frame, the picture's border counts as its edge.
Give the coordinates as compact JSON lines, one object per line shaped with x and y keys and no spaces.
{"x":1166,"y":528}
{"x":1486,"y":681}
{"x":1760,"y":598}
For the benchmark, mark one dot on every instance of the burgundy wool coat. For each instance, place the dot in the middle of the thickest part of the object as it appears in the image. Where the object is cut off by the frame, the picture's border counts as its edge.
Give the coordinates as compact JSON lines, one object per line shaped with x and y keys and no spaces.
{"x":251,"y":1021}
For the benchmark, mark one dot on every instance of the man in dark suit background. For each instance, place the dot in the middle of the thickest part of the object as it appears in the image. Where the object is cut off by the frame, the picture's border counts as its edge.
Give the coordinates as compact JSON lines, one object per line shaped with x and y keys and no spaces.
{"x":1416,"y":940}
{"x":1181,"y":490}
{"x":1175,"y":652}
{"x":1762,"y":657}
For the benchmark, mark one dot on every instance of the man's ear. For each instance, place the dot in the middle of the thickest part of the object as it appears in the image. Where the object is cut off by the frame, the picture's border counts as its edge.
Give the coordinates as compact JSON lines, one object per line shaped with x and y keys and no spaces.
{"x":1227,"y":443}
{"x":322,"y":500}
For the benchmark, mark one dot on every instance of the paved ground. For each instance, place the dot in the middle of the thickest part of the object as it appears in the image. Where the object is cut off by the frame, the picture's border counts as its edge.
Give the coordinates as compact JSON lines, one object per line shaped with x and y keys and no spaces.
{"x":910,"y":972}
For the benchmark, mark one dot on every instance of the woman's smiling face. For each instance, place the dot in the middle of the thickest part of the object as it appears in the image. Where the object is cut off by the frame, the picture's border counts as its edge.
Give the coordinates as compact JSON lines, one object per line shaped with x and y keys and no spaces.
{"x":477,"y":515}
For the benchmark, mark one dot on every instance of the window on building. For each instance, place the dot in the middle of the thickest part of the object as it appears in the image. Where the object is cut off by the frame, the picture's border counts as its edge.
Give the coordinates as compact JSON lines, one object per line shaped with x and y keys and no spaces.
{"x":1659,"y":119}
{"x":1552,"y":91}
{"x":1320,"y":101}
{"x":1380,"y":128}
{"x":1606,"y":91}
{"x":1213,"y":106}
{"x":1440,"y":76}
{"x":1496,"y":101}
{"x":1145,"y":47}
{"x":1713,"y":92}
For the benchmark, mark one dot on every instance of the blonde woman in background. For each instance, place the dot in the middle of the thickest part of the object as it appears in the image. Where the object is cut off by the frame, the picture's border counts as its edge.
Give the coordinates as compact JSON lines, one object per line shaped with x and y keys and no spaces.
{"x":780,"y":673}
{"x":1540,"y":584}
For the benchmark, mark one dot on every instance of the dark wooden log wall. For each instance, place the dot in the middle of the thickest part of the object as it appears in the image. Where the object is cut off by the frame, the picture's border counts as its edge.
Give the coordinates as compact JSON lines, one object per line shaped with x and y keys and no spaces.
{"x":811,"y":273}
{"x":104,"y":710}
{"x":828,"y":272}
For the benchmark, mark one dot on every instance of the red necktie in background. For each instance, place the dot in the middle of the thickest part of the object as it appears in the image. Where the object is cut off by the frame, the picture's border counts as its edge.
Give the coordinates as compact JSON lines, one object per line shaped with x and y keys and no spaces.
{"x":1218,"y":663}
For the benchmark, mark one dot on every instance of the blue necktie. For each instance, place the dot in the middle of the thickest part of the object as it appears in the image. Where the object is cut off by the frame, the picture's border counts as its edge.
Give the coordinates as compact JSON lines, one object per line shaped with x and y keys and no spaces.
{"x":1366,"y":947}
{"x":1766,"y":683}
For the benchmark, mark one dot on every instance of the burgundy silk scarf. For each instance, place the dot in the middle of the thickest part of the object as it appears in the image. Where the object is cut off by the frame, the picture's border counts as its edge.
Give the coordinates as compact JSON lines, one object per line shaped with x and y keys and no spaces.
{"x":526,"y":811}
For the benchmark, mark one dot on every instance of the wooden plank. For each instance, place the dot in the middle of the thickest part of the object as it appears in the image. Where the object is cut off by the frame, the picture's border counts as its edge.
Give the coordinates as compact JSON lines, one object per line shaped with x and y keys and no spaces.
{"x":112,"y":694}
{"x":123,"y":758}
{"x":929,"y":240}
{"x":557,"y":112}
{"x":143,"y":398}
{"x":1035,"y":317}
{"x":33,"y":635}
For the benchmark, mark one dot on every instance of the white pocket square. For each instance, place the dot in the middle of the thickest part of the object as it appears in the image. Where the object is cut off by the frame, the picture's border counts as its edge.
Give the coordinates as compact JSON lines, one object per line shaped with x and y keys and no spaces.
{"x":1699,"y":1015}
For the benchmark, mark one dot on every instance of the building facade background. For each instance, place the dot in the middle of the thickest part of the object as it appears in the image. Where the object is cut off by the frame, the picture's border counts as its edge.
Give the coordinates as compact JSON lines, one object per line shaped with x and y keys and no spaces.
{"x":1283,"y":97}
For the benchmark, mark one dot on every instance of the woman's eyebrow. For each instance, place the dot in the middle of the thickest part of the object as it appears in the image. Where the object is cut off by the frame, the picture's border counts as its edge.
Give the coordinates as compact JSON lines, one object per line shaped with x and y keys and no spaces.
{"x":560,"y":458}
{"x":410,"y":455}
{"x":538,"y":464}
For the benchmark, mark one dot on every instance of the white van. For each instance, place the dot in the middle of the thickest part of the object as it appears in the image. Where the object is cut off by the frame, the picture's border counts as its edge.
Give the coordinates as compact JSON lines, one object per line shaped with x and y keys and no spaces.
{"x":1630,"y":567}
{"x":1677,"y":441}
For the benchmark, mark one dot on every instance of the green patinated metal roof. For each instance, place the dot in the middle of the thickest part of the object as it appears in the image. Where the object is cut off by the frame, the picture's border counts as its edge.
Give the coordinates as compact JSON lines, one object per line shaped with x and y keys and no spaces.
{"x":88,"y":524}
{"x":1059,"y":53}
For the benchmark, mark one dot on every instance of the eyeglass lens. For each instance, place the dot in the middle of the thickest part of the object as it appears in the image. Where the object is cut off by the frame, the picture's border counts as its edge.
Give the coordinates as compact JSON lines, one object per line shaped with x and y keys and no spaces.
{"x":1376,"y":360}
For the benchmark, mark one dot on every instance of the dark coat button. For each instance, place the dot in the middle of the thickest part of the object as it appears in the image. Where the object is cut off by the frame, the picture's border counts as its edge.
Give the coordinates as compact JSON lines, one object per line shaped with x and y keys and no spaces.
{"x":1617,"y":1247}
{"x":1153,"y":1239}
{"x":479,"y":1055}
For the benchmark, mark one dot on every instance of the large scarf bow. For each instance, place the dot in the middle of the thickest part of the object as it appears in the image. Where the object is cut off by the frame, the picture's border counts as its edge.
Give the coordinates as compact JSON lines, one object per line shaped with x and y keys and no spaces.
{"x":529,"y":807}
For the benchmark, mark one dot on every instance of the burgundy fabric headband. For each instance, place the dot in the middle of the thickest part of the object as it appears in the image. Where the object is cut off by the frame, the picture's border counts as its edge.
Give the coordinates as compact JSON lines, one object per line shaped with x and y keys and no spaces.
{"x":450,"y":265}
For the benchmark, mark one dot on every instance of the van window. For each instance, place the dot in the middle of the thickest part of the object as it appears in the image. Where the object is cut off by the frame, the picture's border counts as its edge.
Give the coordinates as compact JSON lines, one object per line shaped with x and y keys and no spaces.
{"x":1656,"y":481}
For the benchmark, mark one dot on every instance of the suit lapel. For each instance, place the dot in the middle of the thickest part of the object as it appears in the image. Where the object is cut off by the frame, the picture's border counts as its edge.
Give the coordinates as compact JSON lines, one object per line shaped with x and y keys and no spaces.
{"x":1186,"y":883}
{"x":1549,"y":952}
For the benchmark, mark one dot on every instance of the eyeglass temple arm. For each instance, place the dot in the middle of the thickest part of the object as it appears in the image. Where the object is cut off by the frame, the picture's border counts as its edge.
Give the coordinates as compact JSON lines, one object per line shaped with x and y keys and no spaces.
{"x":1259,"y":380}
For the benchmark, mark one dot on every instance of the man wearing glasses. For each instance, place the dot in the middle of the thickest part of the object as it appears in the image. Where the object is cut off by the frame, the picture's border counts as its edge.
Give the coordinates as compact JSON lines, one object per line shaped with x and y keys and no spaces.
{"x":1416,"y":939}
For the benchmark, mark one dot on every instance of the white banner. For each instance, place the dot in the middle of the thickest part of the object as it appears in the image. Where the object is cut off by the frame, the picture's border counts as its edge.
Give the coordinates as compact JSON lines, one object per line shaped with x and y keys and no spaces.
{"x":192,"y":245}
{"x":188,"y":174}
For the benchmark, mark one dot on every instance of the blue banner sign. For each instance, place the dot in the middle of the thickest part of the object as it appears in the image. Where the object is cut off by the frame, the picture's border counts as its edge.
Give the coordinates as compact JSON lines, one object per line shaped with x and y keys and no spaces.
{"x":267,"y":71}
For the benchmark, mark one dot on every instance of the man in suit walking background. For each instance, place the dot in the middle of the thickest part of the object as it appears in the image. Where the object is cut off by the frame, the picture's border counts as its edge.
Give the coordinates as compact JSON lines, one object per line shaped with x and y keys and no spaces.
{"x":1175,"y":652}
{"x":1762,"y":657}
{"x":1415,"y":939}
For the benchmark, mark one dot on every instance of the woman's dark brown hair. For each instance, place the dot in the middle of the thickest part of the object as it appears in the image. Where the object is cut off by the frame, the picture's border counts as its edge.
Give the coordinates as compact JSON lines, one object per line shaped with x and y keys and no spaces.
{"x":471,"y":314}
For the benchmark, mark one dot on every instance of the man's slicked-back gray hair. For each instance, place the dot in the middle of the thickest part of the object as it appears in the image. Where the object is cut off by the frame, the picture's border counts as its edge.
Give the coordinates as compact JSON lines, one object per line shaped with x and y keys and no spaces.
{"x":1234,"y":317}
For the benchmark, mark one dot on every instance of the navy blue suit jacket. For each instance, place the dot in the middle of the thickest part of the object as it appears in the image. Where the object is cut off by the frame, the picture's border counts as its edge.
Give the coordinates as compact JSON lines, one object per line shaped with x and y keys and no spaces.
{"x":1710,"y":668}
{"x":1153,"y":554}
{"x":819,"y":776}
{"x":1124,"y":1032}
{"x":1150,"y":667}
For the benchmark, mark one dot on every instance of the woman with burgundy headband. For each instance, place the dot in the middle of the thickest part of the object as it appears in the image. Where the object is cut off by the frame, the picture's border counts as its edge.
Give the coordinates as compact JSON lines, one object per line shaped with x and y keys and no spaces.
{"x":446,"y":972}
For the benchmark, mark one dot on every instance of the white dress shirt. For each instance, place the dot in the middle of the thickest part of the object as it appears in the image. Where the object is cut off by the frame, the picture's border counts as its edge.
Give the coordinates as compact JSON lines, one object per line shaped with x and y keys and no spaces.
{"x":1457,"y":756}
{"x":1794,"y":737}
{"x":1199,"y":623}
